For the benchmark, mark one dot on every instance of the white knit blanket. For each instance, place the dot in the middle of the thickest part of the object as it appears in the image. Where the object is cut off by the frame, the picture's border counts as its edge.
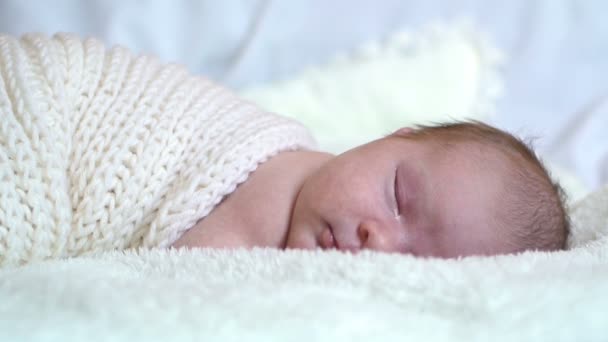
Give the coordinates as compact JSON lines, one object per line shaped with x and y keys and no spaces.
{"x":104,"y":150}
{"x":271,"y":295}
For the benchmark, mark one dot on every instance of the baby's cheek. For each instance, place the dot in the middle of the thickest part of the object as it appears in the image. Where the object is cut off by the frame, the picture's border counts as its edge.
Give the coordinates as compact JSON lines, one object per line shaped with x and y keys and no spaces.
{"x":424,"y":242}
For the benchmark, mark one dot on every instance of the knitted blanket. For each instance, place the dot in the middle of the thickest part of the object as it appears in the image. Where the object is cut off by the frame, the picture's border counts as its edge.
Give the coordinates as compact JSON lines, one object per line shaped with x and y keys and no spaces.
{"x":101,"y":149}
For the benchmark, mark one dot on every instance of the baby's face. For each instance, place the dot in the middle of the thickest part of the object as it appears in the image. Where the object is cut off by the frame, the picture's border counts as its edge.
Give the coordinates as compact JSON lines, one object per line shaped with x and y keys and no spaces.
{"x":405,"y":196}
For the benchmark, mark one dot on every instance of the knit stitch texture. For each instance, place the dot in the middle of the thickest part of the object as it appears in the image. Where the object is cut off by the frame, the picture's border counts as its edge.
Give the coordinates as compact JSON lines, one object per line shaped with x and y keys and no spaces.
{"x":101,"y":149}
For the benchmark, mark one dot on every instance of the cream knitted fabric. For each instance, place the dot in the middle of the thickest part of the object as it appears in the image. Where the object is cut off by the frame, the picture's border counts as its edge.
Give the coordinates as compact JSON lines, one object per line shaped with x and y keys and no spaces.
{"x":101,"y":149}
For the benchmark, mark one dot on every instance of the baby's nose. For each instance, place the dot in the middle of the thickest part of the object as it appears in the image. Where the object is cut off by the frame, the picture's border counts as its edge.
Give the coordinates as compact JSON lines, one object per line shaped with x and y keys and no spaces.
{"x":378,"y":236}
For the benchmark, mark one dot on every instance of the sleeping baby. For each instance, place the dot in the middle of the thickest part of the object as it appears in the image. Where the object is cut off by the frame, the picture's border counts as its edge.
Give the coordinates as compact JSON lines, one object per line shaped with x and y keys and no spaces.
{"x":441,"y":191}
{"x":105,"y":150}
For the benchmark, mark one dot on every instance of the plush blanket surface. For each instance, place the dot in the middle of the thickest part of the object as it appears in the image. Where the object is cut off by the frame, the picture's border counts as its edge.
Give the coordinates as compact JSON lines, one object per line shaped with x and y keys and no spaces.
{"x":271,"y":295}
{"x":101,"y":149}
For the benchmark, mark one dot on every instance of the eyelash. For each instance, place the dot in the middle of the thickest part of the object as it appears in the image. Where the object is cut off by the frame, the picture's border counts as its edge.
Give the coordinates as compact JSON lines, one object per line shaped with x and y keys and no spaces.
{"x":396,"y":193}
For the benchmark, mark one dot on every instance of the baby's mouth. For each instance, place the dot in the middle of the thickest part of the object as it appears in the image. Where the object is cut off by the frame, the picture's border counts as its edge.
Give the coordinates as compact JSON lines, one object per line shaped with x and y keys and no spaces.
{"x":327,"y":238}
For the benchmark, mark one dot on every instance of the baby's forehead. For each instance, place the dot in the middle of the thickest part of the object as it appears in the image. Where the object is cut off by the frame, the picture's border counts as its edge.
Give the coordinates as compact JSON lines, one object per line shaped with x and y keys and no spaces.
{"x":497,"y":148}
{"x":473,"y":152}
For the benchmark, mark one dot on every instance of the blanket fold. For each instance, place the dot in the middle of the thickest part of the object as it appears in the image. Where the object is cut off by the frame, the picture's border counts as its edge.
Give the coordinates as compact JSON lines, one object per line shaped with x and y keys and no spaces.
{"x":102,"y":149}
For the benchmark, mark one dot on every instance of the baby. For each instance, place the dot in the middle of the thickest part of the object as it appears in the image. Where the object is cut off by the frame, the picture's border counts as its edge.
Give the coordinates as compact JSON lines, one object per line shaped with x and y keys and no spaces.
{"x":103,"y":150}
{"x":440,"y":191}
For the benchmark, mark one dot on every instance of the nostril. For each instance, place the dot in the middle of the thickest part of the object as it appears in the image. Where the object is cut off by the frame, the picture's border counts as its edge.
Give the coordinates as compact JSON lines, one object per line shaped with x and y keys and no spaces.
{"x":376,"y":236}
{"x":363,"y":234}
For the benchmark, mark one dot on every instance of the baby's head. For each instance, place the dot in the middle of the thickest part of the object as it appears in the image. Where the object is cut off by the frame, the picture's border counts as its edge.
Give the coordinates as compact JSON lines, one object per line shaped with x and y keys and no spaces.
{"x":445,"y":191}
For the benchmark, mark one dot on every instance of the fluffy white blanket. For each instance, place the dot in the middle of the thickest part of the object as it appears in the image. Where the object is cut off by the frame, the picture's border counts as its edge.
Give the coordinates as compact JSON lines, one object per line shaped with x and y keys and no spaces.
{"x":270,"y":295}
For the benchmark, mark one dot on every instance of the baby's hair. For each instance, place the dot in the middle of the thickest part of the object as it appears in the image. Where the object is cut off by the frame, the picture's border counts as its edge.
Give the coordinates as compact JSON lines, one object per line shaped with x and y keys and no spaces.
{"x":534,"y":203}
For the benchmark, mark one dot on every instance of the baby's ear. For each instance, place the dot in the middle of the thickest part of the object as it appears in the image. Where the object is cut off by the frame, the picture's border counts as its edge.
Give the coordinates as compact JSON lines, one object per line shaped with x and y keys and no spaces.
{"x":403,"y":131}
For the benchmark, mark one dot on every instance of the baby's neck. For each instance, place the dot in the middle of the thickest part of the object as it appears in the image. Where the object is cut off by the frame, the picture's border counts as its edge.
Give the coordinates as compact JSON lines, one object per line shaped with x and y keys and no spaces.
{"x":258,"y":212}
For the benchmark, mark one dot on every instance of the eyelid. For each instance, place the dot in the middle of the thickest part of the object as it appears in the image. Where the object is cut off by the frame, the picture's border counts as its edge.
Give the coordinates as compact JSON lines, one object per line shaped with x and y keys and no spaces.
{"x":396,"y":192}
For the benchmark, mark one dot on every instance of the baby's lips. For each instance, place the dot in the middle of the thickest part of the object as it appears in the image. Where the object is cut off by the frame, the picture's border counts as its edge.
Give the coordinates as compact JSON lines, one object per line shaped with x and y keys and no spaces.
{"x":327,"y":239}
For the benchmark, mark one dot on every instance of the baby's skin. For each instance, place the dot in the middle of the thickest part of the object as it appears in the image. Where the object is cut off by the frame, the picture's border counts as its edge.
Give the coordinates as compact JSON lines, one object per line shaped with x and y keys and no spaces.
{"x":391,"y":195}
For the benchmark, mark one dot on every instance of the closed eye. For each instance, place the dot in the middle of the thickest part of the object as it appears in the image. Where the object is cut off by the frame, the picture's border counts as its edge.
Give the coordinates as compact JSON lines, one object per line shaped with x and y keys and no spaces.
{"x":396,"y":193}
